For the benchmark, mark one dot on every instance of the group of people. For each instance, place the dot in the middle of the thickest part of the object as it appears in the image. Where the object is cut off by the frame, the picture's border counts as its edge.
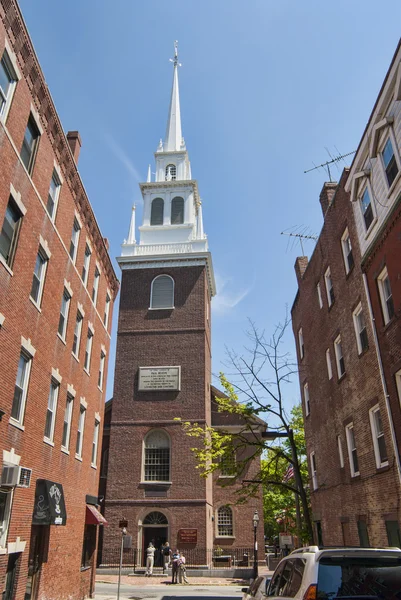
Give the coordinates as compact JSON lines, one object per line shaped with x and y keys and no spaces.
{"x":176,"y":558}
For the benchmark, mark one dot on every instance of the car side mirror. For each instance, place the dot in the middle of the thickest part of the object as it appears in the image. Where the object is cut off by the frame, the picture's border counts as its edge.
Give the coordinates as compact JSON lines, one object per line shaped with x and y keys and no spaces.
{"x":245,"y":590}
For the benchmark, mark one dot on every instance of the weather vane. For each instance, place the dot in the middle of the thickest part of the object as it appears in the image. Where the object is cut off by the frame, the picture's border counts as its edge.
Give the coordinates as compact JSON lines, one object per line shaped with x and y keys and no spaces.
{"x":175,"y":59}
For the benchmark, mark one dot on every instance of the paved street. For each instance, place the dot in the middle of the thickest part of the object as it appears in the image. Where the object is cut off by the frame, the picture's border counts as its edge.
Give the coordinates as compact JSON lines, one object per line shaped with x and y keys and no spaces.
{"x":108,"y":591}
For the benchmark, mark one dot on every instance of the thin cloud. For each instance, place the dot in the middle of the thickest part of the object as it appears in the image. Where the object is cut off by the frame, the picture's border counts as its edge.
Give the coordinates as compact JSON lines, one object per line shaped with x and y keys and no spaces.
{"x":127,"y":163}
{"x":228,"y":295}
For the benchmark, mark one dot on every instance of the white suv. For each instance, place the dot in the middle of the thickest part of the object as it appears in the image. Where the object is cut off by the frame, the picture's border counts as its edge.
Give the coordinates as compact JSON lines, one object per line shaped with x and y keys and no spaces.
{"x":330,"y":573}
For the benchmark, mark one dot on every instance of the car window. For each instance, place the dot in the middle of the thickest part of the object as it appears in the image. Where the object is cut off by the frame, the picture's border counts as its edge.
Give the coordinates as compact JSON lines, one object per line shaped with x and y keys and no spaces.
{"x":274,"y":584}
{"x":255,"y":585}
{"x":296,"y":577}
{"x":285,"y":580}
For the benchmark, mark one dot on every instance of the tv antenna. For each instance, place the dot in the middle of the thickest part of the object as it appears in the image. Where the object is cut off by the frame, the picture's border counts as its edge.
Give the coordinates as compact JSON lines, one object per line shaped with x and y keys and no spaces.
{"x":298,"y":236}
{"x":333,"y":160}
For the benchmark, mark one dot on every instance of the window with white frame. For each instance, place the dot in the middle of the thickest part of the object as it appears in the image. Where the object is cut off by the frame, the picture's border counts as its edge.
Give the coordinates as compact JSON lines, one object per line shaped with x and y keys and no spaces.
{"x":367,"y":208}
{"x":6,"y":495}
{"x":301,"y":343}
{"x":156,"y":456}
{"x":106,"y":311}
{"x":386,"y":296}
{"x":390,"y":163}
{"x":86,"y":265}
{"x":360,"y":329}
{"x":177,"y":211}
{"x":340,"y":452}
{"x":162,"y":292}
{"x":347,"y":251}
{"x":8,"y":82}
{"x":63,"y":319}
{"x":171,"y":172}
{"x":352,"y":452}
{"x":398,"y":384}
{"x":329,"y":286}
{"x":88,"y":350}
{"x":319,"y":295}
{"x":77,"y":334}
{"x":39,"y":273}
{"x":101,"y":370}
{"x":21,"y":387}
{"x":51,"y":410}
{"x":95,"y":288}
{"x":228,"y":463}
{"x":225,"y":522}
{"x":53,"y":195}
{"x":10,"y":232}
{"x":65,"y":441}
{"x":80,"y":431}
{"x":328,"y":362}
{"x":76,"y":230}
{"x":30,"y":144}
{"x":313,"y":470}
{"x":95,"y":443}
{"x":379,"y":442}
{"x":157,"y":212}
{"x":306,"y":399}
{"x":338,"y":351}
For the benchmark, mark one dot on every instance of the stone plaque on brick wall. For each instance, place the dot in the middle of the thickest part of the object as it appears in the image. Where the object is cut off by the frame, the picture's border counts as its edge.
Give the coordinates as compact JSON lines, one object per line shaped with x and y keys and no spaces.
{"x":187,"y":536}
{"x":154,"y":379}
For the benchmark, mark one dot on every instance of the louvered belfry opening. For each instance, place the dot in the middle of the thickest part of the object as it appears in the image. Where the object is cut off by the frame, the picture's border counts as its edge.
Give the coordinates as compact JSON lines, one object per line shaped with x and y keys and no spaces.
{"x":162,"y":295}
{"x":157,"y":456}
{"x":157,"y":212}
{"x":177,"y":211}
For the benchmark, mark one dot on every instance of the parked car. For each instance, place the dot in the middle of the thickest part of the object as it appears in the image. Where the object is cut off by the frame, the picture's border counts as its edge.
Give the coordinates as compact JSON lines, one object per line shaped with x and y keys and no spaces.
{"x":329,"y":573}
{"x":257,"y":589}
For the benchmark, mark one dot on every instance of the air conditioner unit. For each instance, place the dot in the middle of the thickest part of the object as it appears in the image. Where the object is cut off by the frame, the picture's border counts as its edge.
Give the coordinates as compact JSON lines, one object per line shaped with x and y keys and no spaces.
{"x":24,"y":477}
{"x":9,"y":476}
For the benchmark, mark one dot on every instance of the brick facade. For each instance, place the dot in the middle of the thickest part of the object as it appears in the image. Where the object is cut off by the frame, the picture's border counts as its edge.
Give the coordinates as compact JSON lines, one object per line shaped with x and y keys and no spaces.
{"x":58,"y":571}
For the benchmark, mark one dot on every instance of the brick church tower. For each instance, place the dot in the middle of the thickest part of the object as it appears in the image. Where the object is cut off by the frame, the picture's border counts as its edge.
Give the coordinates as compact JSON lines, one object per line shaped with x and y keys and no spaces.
{"x":163,"y":360}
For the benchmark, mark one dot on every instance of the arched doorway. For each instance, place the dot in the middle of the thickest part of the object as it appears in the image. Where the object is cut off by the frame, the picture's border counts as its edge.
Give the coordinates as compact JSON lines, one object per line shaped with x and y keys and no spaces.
{"x":155,"y":530}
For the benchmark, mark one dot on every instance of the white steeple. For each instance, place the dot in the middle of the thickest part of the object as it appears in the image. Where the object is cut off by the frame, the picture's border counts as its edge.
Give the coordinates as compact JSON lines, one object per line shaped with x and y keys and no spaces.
{"x":131,"y":235}
{"x":173,"y":141}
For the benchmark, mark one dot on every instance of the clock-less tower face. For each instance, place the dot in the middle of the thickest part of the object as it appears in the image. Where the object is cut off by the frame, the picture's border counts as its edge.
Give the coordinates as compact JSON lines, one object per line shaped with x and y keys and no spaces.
{"x":163,"y":360}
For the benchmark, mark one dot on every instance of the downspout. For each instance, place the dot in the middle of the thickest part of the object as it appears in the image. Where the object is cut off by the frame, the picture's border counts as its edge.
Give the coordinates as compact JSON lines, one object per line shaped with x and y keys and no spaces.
{"x":384,"y":385}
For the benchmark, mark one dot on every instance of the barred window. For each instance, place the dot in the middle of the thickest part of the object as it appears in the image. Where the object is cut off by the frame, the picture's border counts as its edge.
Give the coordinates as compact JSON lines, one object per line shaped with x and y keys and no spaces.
{"x":171,"y":172}
{"x":157,"y":456}
{"x":224,"y":521}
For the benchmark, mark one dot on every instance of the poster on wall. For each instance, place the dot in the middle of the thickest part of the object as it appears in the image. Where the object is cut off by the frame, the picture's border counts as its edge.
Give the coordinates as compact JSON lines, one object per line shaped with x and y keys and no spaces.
{"x":187,"y":536}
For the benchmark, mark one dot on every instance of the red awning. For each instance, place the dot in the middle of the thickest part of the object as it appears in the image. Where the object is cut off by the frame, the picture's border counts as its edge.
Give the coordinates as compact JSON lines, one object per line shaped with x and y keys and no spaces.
{"x":93,"y":516}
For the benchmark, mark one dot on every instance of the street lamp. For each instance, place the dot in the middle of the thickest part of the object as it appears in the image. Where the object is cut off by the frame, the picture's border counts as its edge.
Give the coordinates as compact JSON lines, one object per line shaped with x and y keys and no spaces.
{"x":255,"y":546}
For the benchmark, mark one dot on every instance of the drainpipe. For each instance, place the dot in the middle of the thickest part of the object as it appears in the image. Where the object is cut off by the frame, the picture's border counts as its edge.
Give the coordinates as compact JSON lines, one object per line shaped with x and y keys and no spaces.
{"x":384,"y":385}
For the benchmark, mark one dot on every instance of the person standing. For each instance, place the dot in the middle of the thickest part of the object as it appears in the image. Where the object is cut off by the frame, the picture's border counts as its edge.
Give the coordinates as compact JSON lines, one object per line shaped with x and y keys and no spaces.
{"x":166,"y":551}
{"x":150,"y":559}
{"x":182,"y":574}
{"x":174,"y":570}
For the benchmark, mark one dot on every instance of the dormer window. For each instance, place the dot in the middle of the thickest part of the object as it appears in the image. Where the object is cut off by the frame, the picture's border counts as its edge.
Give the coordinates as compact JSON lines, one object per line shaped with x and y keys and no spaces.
{"x":177,"y":211}
{"x":157,"y":212}
{"x":389,"y":162}
{"x":171,"y":172}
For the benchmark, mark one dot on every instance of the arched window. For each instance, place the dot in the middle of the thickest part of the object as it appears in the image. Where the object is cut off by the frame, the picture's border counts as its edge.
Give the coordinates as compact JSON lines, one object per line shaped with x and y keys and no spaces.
{"x":105,"y":463}
{"x":177,"y":211}
{"x":157,"y":212}
{"x":155,"y":518}
{"x":157,"y":456}
{"x":225,"y":521}
{"x":162,"y":292}
{"x":171,"y":172}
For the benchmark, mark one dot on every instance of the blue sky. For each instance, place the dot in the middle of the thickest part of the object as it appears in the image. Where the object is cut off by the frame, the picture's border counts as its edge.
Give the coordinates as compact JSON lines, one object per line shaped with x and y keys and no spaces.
{"x":265,"y":88}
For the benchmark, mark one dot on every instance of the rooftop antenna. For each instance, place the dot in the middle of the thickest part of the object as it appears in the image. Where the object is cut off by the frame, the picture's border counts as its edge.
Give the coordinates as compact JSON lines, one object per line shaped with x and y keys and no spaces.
{"x":334,"y":160}
{"x":299,"y":236}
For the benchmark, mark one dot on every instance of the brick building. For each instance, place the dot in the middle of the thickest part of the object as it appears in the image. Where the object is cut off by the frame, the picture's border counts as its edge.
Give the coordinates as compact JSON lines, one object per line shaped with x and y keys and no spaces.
{"x":57,"y":288}
{"x":163,"y":371}
{"x":346,"y":322}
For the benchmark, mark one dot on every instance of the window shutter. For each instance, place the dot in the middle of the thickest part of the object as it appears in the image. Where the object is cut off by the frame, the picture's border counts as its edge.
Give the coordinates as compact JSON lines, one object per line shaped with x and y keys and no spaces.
{"x":177,"y":211}
{"x":162,"y":292}
{"x":156,"y":217}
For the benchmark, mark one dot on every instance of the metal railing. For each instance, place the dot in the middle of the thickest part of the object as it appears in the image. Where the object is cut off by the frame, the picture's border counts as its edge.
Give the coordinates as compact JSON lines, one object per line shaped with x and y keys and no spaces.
{"x":221,"y":558}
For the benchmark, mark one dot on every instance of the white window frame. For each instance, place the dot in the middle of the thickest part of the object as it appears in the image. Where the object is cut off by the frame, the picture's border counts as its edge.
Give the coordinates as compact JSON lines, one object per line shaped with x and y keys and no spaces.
{"x":68,"y":412}
{"x":306,"y":399}
{"x":107,"y":309}
{"x":355,"y":317}
{"x":95,"y":288}
{"x":328,"y":363}
{"x":337,"y":347}
{"x":327,"y":279}
{"x":95,"y":443}
{"x":80,"y":430}
{"x":151,"y":307}
{"x":74,"y":242}
{"x":389,"y":135}
{"x":67,"y":297}
{"x":340,"y":452}
{"x":27,"y":354}
{"x":313,"y":470}
{"x":4,"y":525}
{"x":57,"y":180}
{"x":363,"y":188}
{"x":319,"y":294}
{"x":44,"y":255}
{"x":52,"y":408}
{"x":88,"y":349}
{"x":86,"y":264}
{"x":219,"y":524}
{"x":11,"y":64}
{"x":350,"y":448}
{"x":383,"y":300}
{"x":167,"y":437}
{"x":375,"y":436}
{"x":301,"y":343}
{"x":344,"y":245}
{"x":398,"y":384}
{"x":100,"y":380}
{"x":77,"y":333}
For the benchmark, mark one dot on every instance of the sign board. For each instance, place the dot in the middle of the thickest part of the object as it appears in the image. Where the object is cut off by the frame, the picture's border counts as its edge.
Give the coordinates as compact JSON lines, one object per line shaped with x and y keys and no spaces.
{"x":49,"y":507}
{"x":123,"y":523}
{"x":187,"y":536}
{"x":156,"y":379}
{"x":285,"y":540}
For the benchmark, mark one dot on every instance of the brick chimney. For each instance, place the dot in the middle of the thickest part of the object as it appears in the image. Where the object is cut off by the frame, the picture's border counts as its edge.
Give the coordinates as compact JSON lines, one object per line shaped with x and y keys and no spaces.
{"x":327,"y":194}
{"x":74,"y":139}
{"x":300,"y":267}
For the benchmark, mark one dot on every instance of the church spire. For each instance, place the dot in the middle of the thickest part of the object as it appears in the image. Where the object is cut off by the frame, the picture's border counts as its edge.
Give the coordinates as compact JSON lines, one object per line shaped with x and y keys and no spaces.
{"x":173,"y":139}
